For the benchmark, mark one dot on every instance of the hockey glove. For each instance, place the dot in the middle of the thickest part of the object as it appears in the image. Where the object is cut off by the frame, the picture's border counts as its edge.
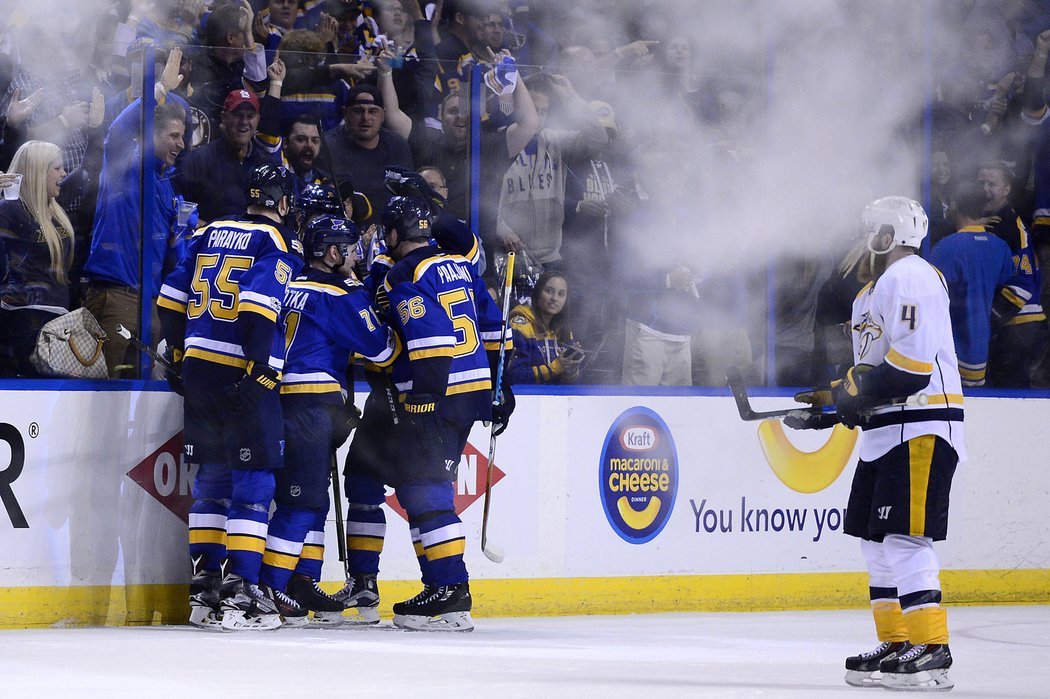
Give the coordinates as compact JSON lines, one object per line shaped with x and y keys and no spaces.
{"x":345,"y":418}
{"x":406,"y":183}
{"x":818,"y":397}
{"x":849,"y":401}
{"x":173,"y":373}
{"x":810,"y":420}
{"x":258,"y":381}
{"x":422,"y":416}
{"x":501,"y":412}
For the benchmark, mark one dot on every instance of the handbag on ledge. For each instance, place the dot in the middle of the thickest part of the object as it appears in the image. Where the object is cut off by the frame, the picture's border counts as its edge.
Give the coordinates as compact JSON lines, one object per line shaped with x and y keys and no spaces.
{"x":70,"y":346}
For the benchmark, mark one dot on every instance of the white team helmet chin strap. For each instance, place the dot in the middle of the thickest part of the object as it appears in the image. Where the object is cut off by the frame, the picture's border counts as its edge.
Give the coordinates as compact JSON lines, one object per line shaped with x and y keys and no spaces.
{"x":904,"y":215}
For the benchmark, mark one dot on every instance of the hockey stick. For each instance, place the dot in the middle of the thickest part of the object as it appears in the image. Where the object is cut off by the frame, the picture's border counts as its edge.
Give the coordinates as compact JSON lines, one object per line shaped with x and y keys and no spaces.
{"x":340,"y":531}
{"x":743,"y":403}
{"x":491,"y":552}
{"x":150,"y":352}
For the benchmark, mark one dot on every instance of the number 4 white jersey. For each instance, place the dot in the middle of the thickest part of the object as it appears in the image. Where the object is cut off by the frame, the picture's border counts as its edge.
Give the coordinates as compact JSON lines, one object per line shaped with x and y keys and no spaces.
{"x":902,"y":319}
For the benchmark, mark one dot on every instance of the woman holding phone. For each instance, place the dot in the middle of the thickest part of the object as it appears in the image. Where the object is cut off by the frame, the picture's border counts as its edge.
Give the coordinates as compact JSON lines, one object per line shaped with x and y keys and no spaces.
{"x":544,"y":350}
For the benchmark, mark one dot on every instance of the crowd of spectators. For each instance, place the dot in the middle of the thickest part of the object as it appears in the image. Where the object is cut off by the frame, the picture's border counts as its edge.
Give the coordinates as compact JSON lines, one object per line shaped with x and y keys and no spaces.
{"x":339,"y":91}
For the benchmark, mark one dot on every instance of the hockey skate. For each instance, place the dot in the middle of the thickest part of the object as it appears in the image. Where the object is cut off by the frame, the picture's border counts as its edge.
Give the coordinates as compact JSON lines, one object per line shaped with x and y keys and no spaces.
{"x":328,"y":611}
{"x":293,"y":614}
{"x":922,"y":668}
{"x":360,"y":596}
{"x":445,"y":608}
{"x":247,"y":607}
{"x":863,"y":670}
{"x":204,"y":600}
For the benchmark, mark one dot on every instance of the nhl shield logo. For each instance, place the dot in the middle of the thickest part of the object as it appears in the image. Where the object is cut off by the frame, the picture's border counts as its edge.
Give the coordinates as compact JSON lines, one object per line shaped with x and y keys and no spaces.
{"x":295,"y":491}
{"x":246,"y":454}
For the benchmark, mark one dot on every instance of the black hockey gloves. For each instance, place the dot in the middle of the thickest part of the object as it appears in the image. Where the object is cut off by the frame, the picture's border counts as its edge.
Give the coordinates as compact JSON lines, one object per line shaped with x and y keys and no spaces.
{"x":501,"y":412}
{"x":849,"y":401}
{"x":345,"y":418}
{"x":421,"y":413}
{"x":173,"y":373}
{"x":809,"y":420}
{"x":258,"y":380}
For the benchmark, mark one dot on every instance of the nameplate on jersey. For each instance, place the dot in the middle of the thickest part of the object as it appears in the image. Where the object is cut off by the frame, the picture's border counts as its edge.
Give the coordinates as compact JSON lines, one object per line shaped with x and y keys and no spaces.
{"x":230,"y":238}
{"x":450,"y":272}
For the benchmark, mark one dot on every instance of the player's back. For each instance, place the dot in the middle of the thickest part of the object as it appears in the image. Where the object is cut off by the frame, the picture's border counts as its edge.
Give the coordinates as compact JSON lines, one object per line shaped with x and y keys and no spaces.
{"x":432,"y":305}
{"x":235,"y":265}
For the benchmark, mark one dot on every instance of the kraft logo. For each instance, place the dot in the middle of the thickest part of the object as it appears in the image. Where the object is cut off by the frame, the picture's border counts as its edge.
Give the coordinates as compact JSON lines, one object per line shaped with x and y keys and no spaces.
{"x":470,"y":481}
{"x":638,"y":438}
{"x":638,"y":475}
{"x":806,"y":471}
{"x":167,"y":477}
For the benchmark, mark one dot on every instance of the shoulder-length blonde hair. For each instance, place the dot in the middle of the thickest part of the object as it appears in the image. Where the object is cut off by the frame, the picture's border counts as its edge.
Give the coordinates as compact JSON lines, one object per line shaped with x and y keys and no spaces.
{"x":33,"y":160}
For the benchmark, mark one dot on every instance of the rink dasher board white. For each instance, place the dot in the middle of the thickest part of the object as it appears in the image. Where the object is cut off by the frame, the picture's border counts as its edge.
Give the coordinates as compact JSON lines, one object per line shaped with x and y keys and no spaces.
{"x":91,"y":524}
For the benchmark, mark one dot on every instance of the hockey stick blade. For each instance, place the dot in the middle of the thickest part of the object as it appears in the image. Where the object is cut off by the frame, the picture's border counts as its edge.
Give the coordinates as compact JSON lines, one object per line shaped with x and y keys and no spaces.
{"x":492,"y":553}
{"x":743,"y":404}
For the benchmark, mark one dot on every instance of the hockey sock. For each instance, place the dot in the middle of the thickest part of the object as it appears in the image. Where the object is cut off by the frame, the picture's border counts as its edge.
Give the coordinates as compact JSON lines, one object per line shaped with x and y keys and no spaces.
{"x":365,"y":522}
{"x":889,"y":623}
{"x":247,"y":522}
{"x":208,"y":533}
{"x":421,"y":555}
{"x":926,"y":619}
{"x":441,"y":534}
{"x":284,"y":544}
{"x":312,"y":557}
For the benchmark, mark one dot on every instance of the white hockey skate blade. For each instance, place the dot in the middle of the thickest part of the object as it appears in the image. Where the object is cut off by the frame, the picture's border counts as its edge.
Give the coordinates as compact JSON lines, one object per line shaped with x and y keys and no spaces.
{"x":361,"y":616}
{"x":234,"y":620}
{"x":295,"y":622}
{"x":327,"y":620}
{"x":205,"y":618}
{"x":450,"y":621}
{"x":924,"y":681}
{"x":857,"y":678}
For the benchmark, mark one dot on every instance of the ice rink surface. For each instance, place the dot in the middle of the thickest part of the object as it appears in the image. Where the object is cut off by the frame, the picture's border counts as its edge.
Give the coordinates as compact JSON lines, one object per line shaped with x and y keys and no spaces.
{"x":999,"y":652}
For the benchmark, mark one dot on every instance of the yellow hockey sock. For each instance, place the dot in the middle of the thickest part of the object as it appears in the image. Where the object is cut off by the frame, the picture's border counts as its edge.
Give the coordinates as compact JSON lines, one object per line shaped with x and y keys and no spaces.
{"x":889,"y":623}
{"x":927,"y":625}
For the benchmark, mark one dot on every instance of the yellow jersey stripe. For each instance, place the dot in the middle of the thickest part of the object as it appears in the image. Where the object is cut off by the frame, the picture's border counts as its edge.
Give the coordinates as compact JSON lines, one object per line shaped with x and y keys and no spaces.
{"x":908,"y":364}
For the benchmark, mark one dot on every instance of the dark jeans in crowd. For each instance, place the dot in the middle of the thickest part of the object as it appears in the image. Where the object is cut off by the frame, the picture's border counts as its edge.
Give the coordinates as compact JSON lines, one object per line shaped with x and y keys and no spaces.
{"x":18,"y":332}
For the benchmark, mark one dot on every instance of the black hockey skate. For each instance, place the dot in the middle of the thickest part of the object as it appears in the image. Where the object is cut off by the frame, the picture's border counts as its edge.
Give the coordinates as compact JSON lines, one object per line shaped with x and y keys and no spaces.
{"x":445,"y":608}
{"x":328,"y":611}
{"x":247,"y":607}
{"x":922,"y":668}
{"x":863,"y":670}
{"x":360,"y":596}
{"x":292,"y":613}
{"x":204,"y":599}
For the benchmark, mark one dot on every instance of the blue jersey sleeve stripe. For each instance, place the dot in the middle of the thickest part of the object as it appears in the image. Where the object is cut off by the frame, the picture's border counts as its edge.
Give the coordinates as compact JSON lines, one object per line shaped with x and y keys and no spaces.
{"x":264,"y":311}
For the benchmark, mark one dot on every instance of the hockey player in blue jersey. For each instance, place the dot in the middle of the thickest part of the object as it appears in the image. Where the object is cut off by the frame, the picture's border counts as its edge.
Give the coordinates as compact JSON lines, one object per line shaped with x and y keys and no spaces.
{"x":328,"y":318}
{"x":219,"y":311}
{"x":442,"y":386}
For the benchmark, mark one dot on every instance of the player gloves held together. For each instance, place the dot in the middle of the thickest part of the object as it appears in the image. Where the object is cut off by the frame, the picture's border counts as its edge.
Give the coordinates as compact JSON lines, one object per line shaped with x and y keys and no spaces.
{"x":845,"y":395}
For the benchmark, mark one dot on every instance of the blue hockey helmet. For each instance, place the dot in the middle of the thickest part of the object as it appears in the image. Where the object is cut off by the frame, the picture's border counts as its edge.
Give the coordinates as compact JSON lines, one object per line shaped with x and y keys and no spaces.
{"x":319,"y":198}
{"x":326,"y":230}
{"x":409,"y":216}
{"x":267,"y":184}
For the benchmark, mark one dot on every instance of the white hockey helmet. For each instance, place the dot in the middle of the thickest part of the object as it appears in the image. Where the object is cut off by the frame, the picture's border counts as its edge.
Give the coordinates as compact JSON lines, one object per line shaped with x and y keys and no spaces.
{"x":904,"y":215}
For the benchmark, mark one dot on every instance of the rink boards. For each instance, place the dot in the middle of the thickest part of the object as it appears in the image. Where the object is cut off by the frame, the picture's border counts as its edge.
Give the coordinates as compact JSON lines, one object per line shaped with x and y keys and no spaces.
{"x":602,"y":504}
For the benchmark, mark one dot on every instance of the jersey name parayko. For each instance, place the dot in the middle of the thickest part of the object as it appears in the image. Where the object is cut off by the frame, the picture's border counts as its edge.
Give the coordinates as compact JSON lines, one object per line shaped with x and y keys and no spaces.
{"x":902,"y":319}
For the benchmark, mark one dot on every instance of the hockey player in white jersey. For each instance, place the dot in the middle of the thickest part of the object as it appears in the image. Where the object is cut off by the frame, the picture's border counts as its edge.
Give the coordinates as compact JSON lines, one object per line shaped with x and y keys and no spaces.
{"x":898,"y":503}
